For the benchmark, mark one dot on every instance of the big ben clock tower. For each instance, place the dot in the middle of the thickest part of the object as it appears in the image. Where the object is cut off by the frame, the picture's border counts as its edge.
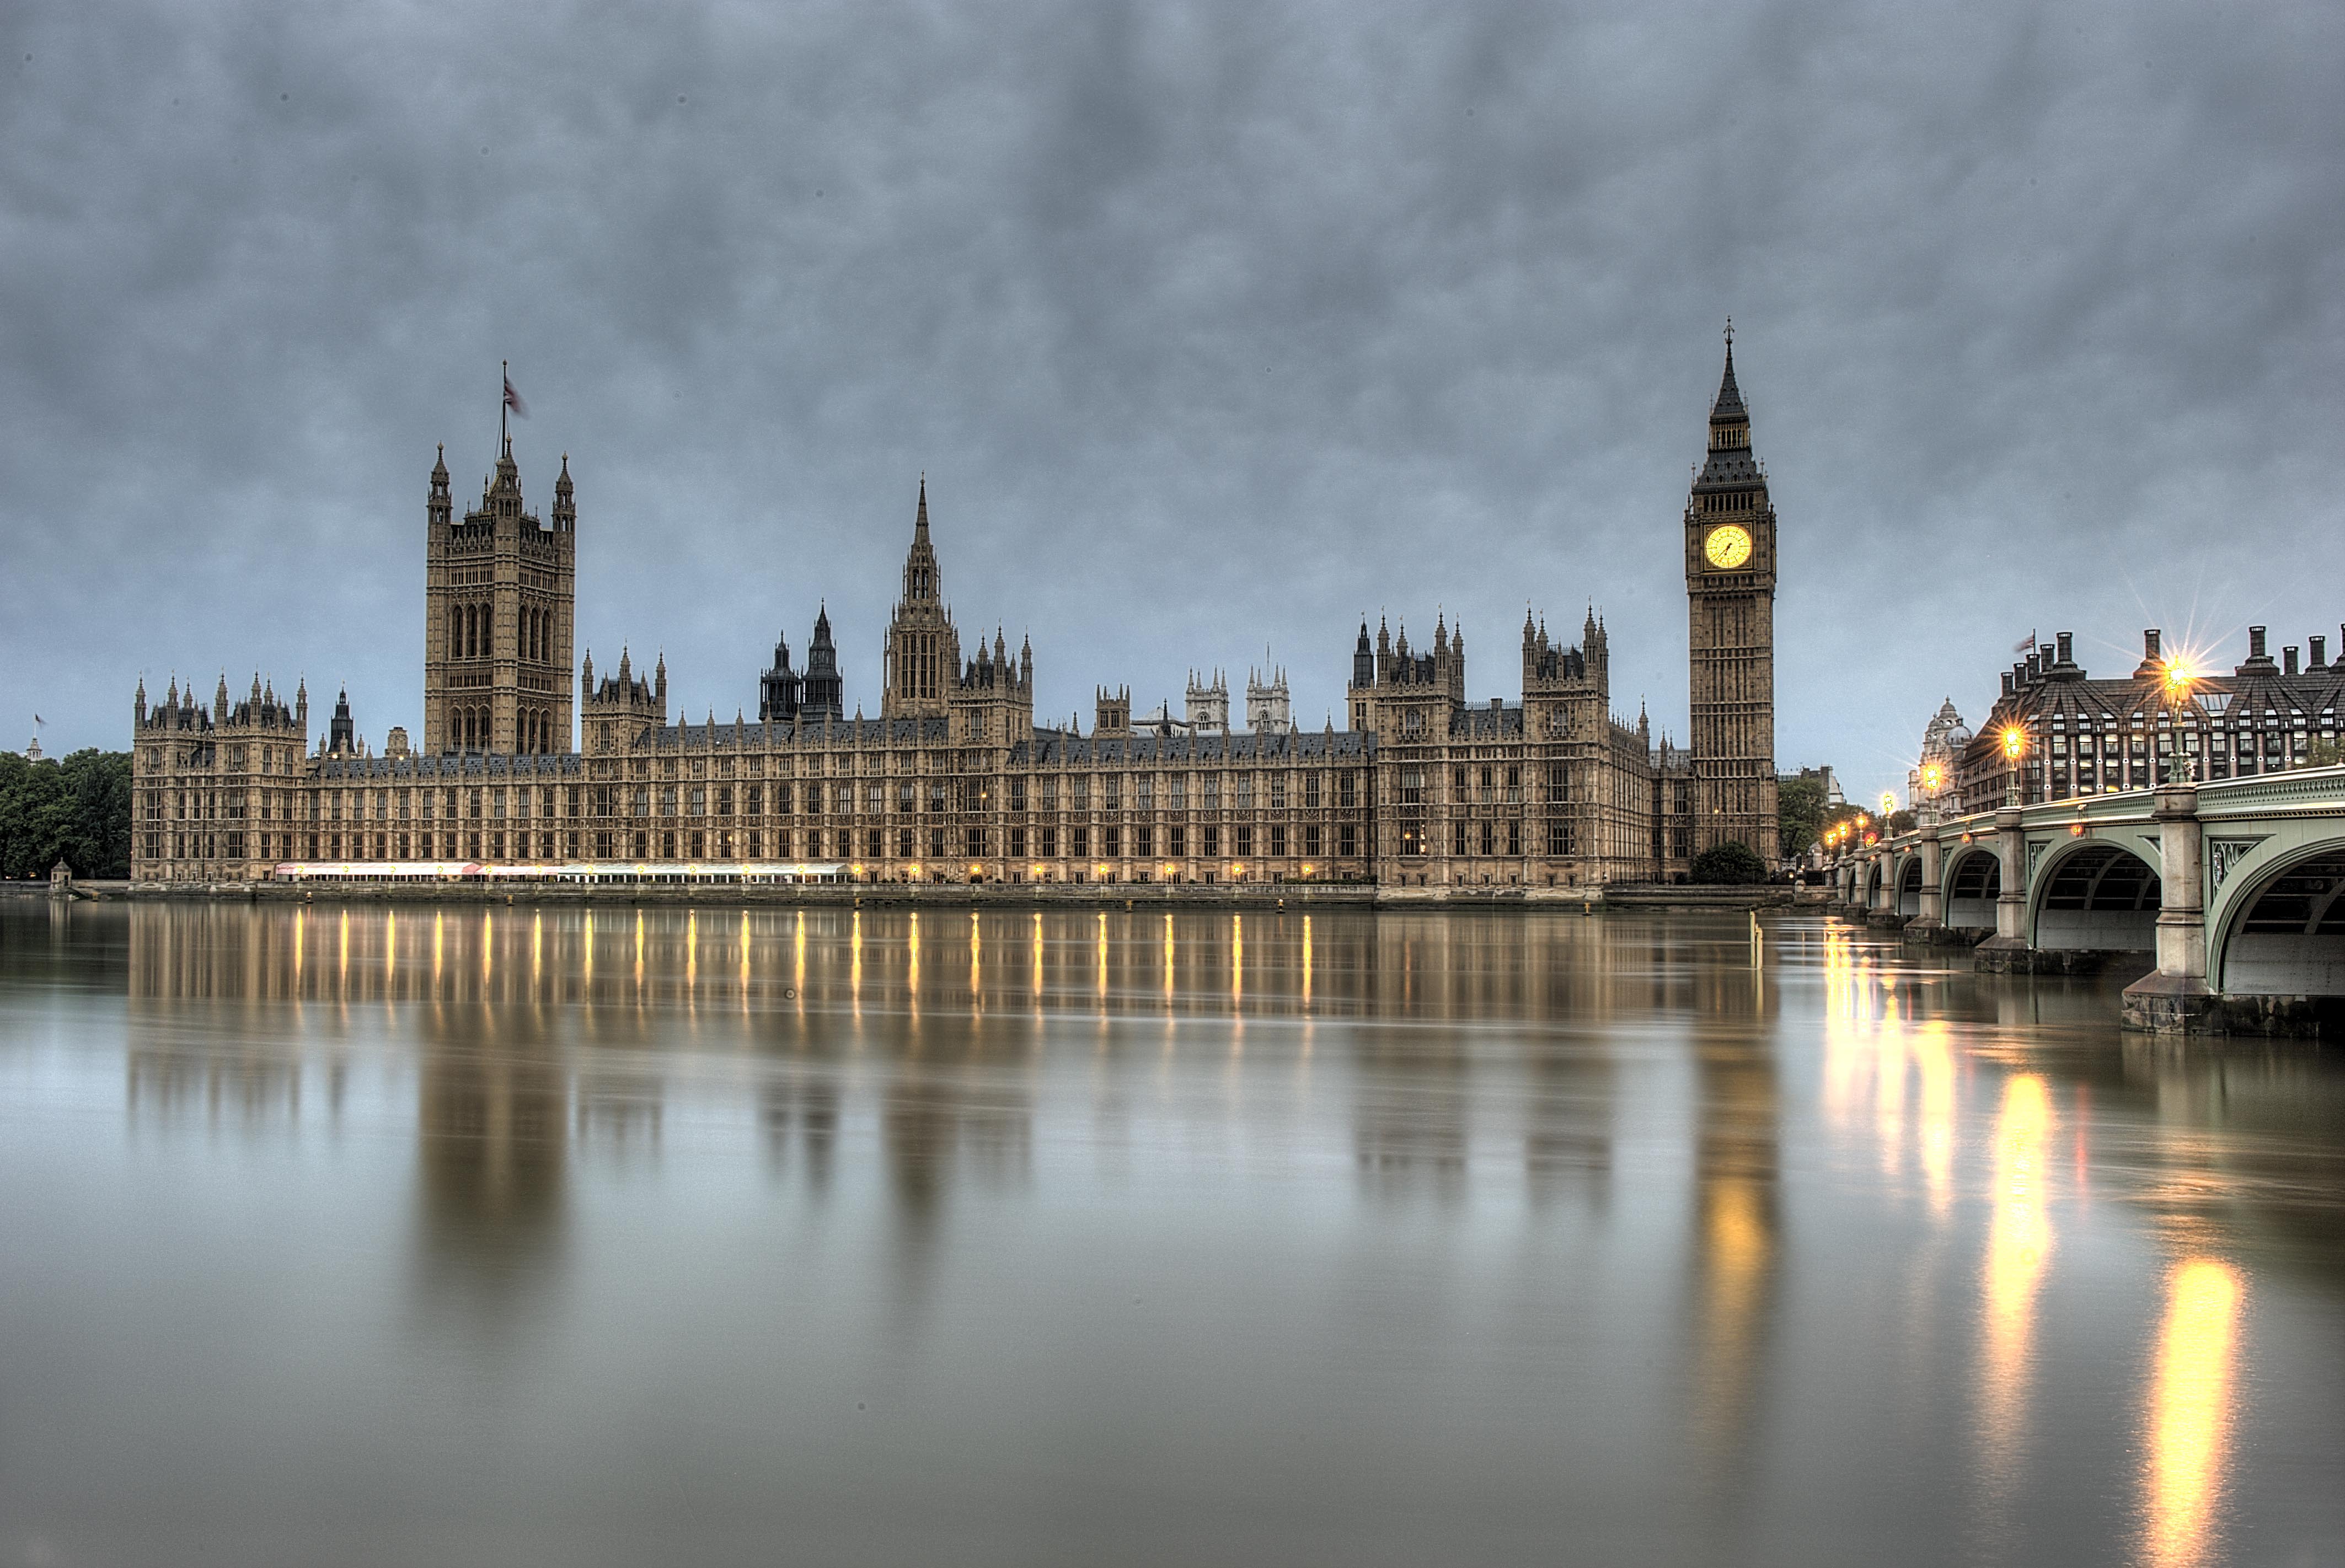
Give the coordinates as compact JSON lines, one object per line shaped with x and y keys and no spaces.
{"x":1730,"y":564}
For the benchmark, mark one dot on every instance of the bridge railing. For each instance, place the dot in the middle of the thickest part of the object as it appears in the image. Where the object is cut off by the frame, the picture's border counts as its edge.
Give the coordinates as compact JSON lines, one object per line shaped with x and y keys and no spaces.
{"x":2297,"y":792}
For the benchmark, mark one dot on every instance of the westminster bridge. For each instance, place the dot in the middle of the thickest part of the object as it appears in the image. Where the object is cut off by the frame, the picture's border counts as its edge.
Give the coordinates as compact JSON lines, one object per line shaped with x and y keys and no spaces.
{"x":2236,"y":887}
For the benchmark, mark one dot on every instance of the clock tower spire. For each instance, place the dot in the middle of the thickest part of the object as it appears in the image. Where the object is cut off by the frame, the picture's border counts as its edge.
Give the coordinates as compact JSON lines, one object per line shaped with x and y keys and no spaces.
{"x":1729,"y":563}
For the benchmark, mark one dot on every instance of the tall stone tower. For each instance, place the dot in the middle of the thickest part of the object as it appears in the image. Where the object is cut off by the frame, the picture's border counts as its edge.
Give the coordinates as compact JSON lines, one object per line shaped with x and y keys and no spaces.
{"x":1730,"y":565}
{"x":923,"y":652}
{"x":500,"y":609}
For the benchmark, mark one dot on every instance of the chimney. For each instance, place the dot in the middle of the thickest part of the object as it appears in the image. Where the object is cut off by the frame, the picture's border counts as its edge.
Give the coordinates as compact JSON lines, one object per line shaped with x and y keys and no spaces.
{"x":2065,"y":643}
{"x":2256,"y":643}
{"x":2035,"y":667}
{"x":2009,"y":682}
{"x":2319,"y":649}
{"x":2287,"y":659}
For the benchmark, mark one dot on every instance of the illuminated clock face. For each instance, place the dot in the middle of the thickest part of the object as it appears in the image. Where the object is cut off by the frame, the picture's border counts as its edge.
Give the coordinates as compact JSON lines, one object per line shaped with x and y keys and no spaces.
{"x":1726,"y":548}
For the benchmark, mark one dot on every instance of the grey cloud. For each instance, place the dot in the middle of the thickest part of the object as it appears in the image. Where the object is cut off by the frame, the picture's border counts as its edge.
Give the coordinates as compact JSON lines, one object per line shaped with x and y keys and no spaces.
{"x":1212,"y":326}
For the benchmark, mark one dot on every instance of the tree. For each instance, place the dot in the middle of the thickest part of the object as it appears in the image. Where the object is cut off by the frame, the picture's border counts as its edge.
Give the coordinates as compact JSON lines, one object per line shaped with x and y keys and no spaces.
{"x":1729,"y":863}
{"x":1799,"y":813}
{"x":77,"y":811}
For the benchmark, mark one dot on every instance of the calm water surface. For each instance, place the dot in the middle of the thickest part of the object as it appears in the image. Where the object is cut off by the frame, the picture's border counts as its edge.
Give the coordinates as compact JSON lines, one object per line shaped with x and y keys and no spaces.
{"x":466,"y":1236}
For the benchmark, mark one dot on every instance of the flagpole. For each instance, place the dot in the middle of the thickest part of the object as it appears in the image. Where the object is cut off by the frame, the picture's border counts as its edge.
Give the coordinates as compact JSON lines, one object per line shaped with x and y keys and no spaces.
{"x":505,"y":366}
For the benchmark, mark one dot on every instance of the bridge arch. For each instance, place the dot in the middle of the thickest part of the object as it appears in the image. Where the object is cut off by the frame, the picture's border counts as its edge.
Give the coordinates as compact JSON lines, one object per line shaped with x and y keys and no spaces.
{"x":1872,"y":873}
{"x":1909,"y":886}
{"x":2095,"y":894}
{"x":1974,"y":883}
{"x":2284,"y":933}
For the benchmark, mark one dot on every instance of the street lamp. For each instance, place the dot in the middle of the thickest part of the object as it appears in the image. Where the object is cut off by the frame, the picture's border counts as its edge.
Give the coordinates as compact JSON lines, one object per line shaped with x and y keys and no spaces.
{"x":2176,"y":687}
{"x":2015,"y":741}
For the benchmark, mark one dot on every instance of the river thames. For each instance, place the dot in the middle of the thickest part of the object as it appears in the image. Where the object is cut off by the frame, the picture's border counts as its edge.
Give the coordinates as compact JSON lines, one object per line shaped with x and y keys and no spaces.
{"x":460,"y":1235}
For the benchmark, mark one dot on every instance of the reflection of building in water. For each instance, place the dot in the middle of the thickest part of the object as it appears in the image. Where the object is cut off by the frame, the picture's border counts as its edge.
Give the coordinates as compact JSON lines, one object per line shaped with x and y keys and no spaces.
{"x":619,"y":1111}
{"x":1567,"y":1131}
{"x":1738,"y":1230}
{"x":491,"y":1125}
{"x":1409,"y":1128}
{"x":935,"y":1119}
{"x":224,"y":1059}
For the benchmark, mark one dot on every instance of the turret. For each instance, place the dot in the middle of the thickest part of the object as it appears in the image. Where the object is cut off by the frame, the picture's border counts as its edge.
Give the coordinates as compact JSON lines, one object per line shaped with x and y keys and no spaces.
{"x":440,"y":507}
{"x":566,"y":504}
{"x":1112,"y":712}
{"x":823,"y":692}
{"x":341,"y":733}
{"x":779,"y":691}
{"x":138,"y":705}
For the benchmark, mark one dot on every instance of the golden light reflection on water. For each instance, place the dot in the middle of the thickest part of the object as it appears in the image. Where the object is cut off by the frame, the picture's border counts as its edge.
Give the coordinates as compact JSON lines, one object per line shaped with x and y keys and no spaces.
{"x":2191,"y":1411}
{"x":1306,"y":962}
{"x":1933,"y":1056}
{"x":2019,"y":1244}
{"x":1889,"y":1087}
{"x":1237,"y":958}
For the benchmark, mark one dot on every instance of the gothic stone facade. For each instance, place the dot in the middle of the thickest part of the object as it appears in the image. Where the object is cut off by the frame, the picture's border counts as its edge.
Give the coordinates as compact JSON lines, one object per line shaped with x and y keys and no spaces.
{"x":955,"y":780}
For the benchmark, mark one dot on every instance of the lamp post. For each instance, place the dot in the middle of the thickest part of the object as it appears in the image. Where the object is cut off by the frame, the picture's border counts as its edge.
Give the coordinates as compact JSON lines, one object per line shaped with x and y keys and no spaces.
{"x":2015,"y":741}
{"x":2179,"y":698}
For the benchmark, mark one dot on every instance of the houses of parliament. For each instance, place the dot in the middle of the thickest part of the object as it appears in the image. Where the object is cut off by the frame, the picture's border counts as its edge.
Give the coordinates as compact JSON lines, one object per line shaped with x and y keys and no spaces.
{"x":533,"y":765}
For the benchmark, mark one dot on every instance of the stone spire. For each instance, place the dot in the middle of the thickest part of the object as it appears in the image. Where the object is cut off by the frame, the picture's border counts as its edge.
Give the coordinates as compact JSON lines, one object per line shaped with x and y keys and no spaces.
{"x":565,"y":505}
{"x":1728,"y":406}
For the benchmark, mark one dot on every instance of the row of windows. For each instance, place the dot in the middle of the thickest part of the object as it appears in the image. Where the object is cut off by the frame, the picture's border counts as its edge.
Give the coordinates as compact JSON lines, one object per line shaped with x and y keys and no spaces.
{"x":1470,"y":839}
{"x":1277,"y":843}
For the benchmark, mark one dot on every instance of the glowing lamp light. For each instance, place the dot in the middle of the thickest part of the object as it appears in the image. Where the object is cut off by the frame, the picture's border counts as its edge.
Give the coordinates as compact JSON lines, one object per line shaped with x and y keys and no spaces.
{"x":2014,"y":741}
{"x":1933,"y":775}
{"x":1888,"y":802}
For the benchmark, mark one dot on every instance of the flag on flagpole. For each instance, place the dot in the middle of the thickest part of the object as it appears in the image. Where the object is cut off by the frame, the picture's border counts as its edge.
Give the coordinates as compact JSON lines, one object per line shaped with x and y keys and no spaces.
{"x":2024,"y":645}
{"x":513,"y":399}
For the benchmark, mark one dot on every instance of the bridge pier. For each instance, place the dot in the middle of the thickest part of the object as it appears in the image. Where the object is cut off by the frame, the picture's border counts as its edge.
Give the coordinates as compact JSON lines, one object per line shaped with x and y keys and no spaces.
{"x":1926,"y":924}
{"x":2175,"y":998}
{"x":2007,"y":949}
{"x":1884,"y":912}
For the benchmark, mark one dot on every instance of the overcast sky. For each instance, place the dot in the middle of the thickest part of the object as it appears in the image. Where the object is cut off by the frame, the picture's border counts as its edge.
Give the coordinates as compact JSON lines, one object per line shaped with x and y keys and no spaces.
{"x":1213,"y":327}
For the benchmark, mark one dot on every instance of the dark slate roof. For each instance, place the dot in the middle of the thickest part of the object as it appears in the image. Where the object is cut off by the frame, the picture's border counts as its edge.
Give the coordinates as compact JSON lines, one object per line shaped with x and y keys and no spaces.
{"x":464,"y":766}
{"x":1485,"y":724}
{"x":1056,"y":748}
{"x":1729,"y":396}
{"x":1735,"y":466}
{"x":748,"y":733}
